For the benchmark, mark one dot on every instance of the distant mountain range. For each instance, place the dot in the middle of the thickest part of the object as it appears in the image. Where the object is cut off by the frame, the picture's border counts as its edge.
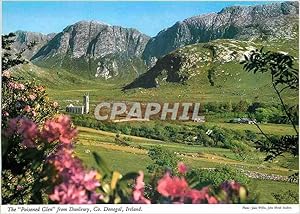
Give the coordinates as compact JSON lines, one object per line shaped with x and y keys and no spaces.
{"x":108,"y":51}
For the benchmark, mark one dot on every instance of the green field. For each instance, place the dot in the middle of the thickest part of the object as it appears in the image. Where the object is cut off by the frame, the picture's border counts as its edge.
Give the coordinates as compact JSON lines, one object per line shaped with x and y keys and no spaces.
{"x":134,"y":158}
{"x":66,"y":88}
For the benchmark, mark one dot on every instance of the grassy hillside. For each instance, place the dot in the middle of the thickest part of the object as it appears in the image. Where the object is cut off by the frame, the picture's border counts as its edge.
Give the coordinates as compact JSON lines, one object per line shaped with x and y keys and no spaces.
{"x":184,"y":74}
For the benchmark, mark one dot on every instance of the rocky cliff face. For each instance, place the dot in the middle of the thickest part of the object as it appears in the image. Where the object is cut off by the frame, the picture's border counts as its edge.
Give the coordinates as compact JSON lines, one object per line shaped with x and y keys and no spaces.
{"x":271,"y":21}
{"x":24,"y":38}
{"x":94,"y":46}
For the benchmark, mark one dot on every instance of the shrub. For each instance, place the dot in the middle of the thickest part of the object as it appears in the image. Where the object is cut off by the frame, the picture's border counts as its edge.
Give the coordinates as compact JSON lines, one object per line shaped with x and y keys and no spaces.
{"x":215,"y":177}
{"x":287,"y":197}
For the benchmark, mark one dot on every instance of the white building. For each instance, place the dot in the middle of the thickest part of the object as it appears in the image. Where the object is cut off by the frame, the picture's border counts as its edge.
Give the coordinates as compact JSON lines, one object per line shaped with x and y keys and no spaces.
{"x":84,"y":109}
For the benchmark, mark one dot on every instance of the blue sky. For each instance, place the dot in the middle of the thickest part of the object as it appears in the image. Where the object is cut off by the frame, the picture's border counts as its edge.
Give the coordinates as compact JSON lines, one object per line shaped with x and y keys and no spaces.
{"x":147,"y":17}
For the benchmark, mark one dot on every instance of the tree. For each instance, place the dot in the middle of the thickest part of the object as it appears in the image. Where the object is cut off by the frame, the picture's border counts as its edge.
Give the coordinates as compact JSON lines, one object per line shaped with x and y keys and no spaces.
{"x":8,"y":58}
{"x":284,"y":76}
{"x":241,"y":106}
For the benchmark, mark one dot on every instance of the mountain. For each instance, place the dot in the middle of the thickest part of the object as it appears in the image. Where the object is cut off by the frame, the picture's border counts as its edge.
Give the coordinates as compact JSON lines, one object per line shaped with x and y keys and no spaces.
{"x":95,"y":47}
{"x":24,"y":38}
{"x":208,"y":64}
{"x":270,"y":21}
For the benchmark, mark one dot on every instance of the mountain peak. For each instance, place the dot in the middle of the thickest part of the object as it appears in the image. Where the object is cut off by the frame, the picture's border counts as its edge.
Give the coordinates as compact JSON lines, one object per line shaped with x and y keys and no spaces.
{"x":87,"y":22}
{"x":268,"y":21}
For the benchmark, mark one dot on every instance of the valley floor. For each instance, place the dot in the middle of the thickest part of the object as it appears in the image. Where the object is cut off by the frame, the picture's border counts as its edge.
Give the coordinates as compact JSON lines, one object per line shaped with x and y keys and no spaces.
{"x":134,"y":157}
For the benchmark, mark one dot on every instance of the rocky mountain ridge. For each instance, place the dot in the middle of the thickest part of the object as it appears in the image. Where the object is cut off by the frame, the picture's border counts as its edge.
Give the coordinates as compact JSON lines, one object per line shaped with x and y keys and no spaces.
{"x":93,"y":46}
{"x":25,"y":38}
{"x":270,"y":21}
{"x":108,"y":51}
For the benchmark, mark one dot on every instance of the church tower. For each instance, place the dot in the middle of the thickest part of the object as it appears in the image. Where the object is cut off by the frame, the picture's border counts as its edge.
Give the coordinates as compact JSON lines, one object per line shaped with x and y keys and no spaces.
{"x":86,"y":103}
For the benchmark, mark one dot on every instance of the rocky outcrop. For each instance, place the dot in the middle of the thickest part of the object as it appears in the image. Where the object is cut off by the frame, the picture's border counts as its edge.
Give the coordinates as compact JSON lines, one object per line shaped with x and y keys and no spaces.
{"x":93,"y":46}
{"x":271,"y":21}
{"x":181,"y":65}
{"x":24,"y":38}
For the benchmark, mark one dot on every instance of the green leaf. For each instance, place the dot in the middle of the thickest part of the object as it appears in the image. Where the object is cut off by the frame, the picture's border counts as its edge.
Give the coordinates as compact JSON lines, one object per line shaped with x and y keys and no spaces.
{"x":101,"y":163}
{"x":129,"y":176}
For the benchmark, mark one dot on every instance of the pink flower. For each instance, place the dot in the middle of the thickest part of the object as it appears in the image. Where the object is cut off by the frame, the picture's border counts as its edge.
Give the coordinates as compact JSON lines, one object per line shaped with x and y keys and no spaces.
{"x":67,"y":193}
{"x":6,"y":74}
{"x":13,"y":85}
{"x":212,"y":200}
{"x":182,"y":168}
{"x":29,"y":132}
{"x":63,"y":160}
{"x":27,"y":108}
{"x":24,"y":127}
{"x":33,"y":113}
{"x":95,"y":197}
{"x":5,"y":113}
{"x":201,"y":196}
{"x":32,"y":96}
{"x":196,"y":196}
{"x":230,"y":187}
{"x":11,"y":127}
{"x":78,"y":186}
{"x":90,"y":182}
{"x":59,"y":129}
{"x":172,"y":186}
{"x":20,"y":86}
{"x":138,"y":191}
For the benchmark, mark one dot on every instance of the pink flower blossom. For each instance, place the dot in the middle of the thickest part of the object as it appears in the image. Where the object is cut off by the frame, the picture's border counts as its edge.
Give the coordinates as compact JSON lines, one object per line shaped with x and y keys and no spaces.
{"x":59,"y":129}
{"x":196,"y":196}
{"x":27,"y":108}
{"x":21,"y":86}
{"x":138,"y":191}
{"x":32,"y":96}
{"x":172,"y":186}
{"x":11,"y":127}
{"x":230,"y":187}
{"x":212,"y":200}
{"x":63,"y":160}
{"x":67,"y":193}
{"x":95,"y":197}
{"x":5,"y":113}
{"x":24,"y":127}
{"x":201,"y":196}
{"x":75,"y":180}
{"x":13,"y":85}
{"x":29,"y":132}
{"x":6,"y":74}
{"x":33,"y":113}
{"x":89,"y":181}
{"x":182,"y":168}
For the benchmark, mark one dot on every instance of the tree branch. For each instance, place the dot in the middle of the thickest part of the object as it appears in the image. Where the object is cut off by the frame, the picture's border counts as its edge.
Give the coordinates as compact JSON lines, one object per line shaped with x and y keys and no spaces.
{"x":283,"y":105}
